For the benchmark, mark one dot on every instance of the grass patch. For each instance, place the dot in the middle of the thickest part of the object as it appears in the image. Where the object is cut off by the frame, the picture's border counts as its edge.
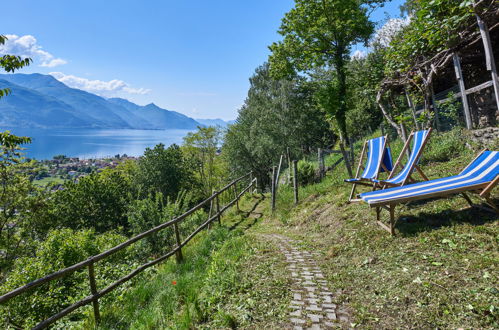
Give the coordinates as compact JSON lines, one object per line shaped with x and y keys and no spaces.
{"x":437,"y":272}
{"x":228,"y":279}
{"x":42,"y":183}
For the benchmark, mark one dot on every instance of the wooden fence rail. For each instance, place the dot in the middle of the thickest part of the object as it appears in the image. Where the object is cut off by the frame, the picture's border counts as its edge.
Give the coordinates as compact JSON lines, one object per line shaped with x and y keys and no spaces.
{"x":89,"y":263}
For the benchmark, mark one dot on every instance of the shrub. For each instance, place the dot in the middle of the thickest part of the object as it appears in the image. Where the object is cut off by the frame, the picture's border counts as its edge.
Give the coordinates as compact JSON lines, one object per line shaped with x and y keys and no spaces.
{"x":306,"y":172}
{"x":445,"y":146}
{"x":62,"y":248}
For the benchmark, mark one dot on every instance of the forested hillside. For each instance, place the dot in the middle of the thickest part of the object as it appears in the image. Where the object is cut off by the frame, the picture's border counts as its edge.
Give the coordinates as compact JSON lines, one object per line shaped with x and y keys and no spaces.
{"x":310,"y":94}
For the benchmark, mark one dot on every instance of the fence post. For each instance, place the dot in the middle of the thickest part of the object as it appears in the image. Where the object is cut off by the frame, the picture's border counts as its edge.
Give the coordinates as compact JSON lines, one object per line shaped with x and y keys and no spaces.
{"x":319,"y":160}
{"x":235,"y":196}
{"x":413,"y":109}
{"x":462,"y":89}
{"x":218,"y":209}
{"x":489,"y":56}
{"x":289,"y":164}
{"x":404,"y":136}
{"x":93,"y":290}
{"x":295,"y":180}
{"x":273,"y":186}
{"x":178,"y":254}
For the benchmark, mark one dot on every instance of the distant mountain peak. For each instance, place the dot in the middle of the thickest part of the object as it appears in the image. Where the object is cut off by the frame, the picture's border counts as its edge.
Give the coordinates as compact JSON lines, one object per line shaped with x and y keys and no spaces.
{"x":40,"y":100}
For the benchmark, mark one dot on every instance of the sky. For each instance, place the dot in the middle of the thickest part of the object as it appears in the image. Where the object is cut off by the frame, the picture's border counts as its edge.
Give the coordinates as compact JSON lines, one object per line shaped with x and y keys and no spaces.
{"x":194,"y":57}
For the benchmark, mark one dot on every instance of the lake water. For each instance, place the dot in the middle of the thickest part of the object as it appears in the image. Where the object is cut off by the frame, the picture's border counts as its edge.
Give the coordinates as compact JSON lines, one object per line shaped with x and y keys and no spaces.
{"x":94,"y":143}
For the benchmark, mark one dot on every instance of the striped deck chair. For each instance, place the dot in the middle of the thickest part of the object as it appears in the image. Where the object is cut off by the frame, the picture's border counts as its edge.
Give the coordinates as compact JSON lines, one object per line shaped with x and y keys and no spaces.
{"x":419,"y":138}
{"x":480,"y":176}
{"x":378,"y":160}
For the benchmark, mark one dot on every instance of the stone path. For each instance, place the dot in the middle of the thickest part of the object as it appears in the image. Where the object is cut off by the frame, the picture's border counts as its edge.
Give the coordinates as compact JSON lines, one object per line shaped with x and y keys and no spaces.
{"x":313,"y":304}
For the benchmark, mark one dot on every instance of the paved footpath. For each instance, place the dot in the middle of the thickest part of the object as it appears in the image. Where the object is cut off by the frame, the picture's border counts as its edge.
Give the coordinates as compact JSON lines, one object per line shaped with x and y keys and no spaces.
{"x":313,"y":304}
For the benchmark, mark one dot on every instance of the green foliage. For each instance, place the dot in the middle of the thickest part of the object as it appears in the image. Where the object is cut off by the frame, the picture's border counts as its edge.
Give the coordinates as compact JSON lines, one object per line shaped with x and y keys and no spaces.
{"x":449,"y":112}
{"x":98,"y":200}
{"x":60,"y":249}
{"x":276,"y":114}
{"x":17,"y":198}
{"x":319,"y":34}
{"x":434,"y":26}
{"x":200,"y":149}
{"x":150,"y":212}
{"x":364,"y":76}
{"x":306,"y":172}
{"x":445,"y":146}
{"x":163,"y":171}
{"x":11,"y":63}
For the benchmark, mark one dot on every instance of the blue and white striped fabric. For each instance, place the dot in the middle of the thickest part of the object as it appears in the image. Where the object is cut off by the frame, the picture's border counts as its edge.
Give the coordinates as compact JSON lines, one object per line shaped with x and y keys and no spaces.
{"x":483,"y":170}
{"x":374,"y":158}
{"x":417,"y":143}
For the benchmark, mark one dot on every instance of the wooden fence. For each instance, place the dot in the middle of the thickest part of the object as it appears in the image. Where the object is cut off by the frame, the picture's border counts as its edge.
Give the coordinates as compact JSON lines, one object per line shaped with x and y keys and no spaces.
{"x":214,"y":199}
{"x":347,"y":156}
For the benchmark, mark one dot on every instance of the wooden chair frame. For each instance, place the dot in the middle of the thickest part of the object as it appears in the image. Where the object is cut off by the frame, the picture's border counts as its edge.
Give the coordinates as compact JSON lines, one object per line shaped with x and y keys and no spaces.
{"x":360,"y":167}
{"x":483,"y":190}
{"x":409,"y":178}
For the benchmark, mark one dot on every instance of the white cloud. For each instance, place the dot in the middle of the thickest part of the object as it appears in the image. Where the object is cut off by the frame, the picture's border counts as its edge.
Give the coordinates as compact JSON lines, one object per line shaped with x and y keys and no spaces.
{"x":385,"y":34}
{"x":27,"y":46}
{"x":358,"y":54}
{"x":104,"y":88}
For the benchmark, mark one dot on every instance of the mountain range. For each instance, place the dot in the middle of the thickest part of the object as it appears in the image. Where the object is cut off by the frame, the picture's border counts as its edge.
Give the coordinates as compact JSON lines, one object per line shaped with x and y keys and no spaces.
{"x":41,"y":101}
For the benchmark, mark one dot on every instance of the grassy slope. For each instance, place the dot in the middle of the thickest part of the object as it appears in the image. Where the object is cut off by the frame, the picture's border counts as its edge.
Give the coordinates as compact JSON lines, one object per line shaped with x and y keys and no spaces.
{"x":439,"y":271}
{"x":228,"y":279}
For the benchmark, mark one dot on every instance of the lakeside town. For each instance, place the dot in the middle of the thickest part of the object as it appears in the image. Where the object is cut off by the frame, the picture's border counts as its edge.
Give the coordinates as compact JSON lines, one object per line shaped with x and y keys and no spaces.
{"x":52,"y":173}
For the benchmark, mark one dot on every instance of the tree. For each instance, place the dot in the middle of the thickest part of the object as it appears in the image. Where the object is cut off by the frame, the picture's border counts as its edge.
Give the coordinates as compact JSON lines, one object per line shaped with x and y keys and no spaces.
{"x":318,"y":34}
{"x":163,"y":170}
{"x":16,"y":196}
{"x":200,"y":148}
{"x":99,"y":201}
{"x":10,"y":63}
{"x":277,"y":114}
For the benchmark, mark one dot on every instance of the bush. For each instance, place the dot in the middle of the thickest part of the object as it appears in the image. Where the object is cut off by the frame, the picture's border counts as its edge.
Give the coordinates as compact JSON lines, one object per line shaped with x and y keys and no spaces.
{"x":62,"y":248}
{"x":306,"y":172}
{"x":443,"y":147}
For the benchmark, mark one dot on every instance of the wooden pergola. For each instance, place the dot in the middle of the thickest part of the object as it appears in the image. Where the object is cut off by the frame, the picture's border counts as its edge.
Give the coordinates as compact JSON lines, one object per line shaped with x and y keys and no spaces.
{"x":469,"y":69}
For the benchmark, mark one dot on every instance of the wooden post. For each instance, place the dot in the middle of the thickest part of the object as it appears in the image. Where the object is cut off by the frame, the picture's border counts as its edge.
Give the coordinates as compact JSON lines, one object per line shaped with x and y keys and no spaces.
{"x":178,"y":254}
{"x":273,"y":183}
{"x":435,"y":107}
{"x":295,"y":180}
{"x":462,"y":89}
{"x":382,"y":129}
{"x":319,"y":160}
{"x":219,"y":217}
{"x":345,"y":158}
{"x":210,"y":212}
{"x":289,"y":164}
{"x":352,"y":154}
{"x":404,"y":136}
{"x":278,"y":172}
{"x":413,"y":109}
{"x":235,"y":196}
{"x":93,"y":290}
{"x":489,"y":56}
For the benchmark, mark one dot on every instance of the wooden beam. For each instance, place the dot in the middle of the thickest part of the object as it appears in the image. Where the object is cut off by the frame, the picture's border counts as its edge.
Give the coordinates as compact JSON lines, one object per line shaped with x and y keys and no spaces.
{"x":464,"y":98}
{"x":489,"y":56}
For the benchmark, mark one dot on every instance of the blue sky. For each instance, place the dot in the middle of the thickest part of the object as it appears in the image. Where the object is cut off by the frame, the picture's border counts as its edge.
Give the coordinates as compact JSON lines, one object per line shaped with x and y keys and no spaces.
{"x":193,"y":56}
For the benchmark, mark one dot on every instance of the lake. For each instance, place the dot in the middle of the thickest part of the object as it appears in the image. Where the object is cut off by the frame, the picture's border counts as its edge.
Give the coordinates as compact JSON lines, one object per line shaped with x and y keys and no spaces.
{"x":94,"y":143}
